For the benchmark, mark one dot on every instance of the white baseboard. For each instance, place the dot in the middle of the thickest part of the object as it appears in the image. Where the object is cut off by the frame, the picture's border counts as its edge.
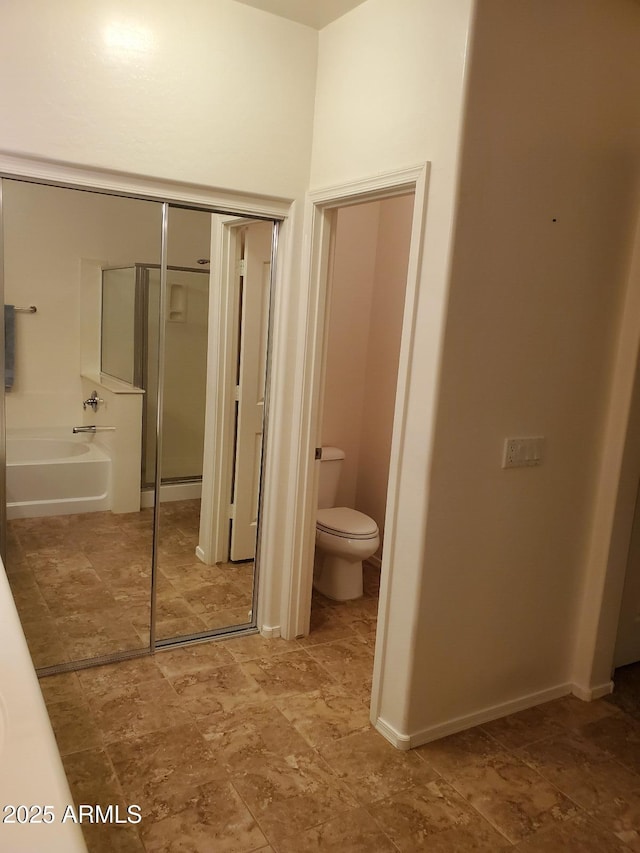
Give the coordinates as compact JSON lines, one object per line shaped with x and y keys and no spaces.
{"x":270,"y":632}
{"x":396,"y":738}
{"x":459,"y":724}
{"x":588,"y":694}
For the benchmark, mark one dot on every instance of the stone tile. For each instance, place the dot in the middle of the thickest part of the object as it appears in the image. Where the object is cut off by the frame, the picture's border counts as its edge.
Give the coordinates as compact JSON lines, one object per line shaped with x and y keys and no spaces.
{"x":580,"y":769}
{"x":325,"y":715}
{"x":88,"y":634}
{"x":214,"y":819}
{"x":112,"y":838}
{"x":523,"y":728}
{"x":351,"y":832}
{"x":290,"y":794}
{"x":44,"y":642}
{"x":361,"y":614}
{"x":512,"y":796}
{"x":451,"y":754}
{"x":293,"y":672}
{"x":138,"y":709}
{"x":255,"y":736}
{"x":73,"y":726}
{"x":619,"y":735}
{"x":621,"y":816}
{"x":102,"y":681}
{"x":61,"y":688}
{"x":161,"y":771}
{"x":436,"y":818}
{"x":372,"y":768}
{"x":219,"y":690}
{"x":326,"y":625}
{"x":92,"y":779}
{"x":349,"y":662}
{"x":255,"y":646}
{"x":579,"y":835}
{"x":201,"y":657}
{"x":572,"y":713}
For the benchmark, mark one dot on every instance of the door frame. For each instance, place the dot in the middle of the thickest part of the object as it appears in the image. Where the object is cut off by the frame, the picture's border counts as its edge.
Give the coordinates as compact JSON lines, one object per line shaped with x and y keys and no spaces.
{"x":214,"y":537}
{"x":319,"y":223}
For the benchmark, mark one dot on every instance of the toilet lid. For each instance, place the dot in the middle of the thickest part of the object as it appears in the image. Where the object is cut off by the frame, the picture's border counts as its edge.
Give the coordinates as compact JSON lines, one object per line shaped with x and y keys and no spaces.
{"x":346,"y":522}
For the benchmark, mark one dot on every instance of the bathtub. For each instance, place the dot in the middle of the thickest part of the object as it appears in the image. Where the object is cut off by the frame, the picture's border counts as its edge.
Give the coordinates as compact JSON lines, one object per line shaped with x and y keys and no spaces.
{"x":31,"y":772}
{"x":55,"y":473}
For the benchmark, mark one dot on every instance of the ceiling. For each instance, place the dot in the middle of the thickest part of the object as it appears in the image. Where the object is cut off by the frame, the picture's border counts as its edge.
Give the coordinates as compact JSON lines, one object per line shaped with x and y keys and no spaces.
{"x":313,"y":13}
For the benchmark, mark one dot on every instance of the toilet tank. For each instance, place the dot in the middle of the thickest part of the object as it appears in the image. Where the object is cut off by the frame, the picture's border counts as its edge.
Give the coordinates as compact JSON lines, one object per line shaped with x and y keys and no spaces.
{"x":330,"y":467}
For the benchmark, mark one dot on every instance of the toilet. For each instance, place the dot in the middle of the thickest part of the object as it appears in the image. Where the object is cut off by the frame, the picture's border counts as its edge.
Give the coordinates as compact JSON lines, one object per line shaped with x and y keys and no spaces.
{"x":344,"y":536}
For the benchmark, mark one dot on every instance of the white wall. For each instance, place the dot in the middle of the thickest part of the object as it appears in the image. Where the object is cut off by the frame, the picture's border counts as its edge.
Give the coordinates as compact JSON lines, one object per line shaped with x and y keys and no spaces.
{"x":548,"y":199}
{"x":211,"y":92}
{"x":390,"y":95}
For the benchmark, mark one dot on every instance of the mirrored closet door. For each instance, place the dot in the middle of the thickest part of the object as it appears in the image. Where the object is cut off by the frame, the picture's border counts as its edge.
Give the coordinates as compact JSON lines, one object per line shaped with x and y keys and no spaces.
{"x":134,"y":425}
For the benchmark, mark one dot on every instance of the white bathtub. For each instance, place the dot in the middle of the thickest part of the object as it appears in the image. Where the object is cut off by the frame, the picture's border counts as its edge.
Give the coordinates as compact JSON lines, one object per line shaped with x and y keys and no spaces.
{"x":55,"y":473}
{"x":31,"y":772}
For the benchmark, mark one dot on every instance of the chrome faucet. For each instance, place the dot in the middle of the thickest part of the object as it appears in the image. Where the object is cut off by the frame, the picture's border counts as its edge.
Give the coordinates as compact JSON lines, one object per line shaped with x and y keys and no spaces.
{"x":83,"y":429}
{"x":92,"y":401}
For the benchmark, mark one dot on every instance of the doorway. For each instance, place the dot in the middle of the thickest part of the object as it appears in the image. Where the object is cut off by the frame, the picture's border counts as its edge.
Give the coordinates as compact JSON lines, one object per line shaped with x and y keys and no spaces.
{"x":363,"y":330}
{"x":102,"y":573}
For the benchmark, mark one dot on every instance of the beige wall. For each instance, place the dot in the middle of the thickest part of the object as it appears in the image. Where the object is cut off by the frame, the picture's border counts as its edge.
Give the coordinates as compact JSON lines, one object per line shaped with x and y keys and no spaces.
{"x":548,"y":201}
{"x":352,"y":282}
{"x":383,"y":352}
{"x":181,"y":104}
{"x":365,"y":324}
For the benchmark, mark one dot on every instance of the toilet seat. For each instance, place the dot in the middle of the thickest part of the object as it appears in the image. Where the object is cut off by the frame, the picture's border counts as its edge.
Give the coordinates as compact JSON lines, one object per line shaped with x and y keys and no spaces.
{"x":346,"y":523}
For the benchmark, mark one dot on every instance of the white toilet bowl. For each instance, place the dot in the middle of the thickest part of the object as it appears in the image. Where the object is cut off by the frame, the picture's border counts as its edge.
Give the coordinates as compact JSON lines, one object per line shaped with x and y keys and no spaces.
{"x":344,"y":538}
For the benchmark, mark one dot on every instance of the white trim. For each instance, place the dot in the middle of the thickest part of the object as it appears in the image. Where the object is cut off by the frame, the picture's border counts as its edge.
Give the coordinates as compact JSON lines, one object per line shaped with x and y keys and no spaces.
{"x":270,"y":632}
{"x":588,"y":694}
{"x":494,"y":712}
{"x":219,"y":416}
{"x":395,"y":738}
{"x":155,"y":189}
{"x":277,"y":475}
{"x":318,"y":219}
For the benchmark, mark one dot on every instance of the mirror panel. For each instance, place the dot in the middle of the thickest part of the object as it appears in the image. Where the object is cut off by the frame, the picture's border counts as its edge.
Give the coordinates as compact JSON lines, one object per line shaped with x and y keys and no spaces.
{"x":207,"y":560}
{"x":78,"y":542}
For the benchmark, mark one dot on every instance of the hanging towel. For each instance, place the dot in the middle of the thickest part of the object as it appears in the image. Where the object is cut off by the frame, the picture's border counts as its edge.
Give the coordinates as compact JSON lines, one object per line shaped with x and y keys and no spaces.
{"x":9,"y":345}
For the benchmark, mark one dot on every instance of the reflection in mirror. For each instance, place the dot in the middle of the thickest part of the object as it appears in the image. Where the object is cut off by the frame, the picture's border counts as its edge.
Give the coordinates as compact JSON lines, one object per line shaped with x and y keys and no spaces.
{"x":78,"y":541}
{"x":206,"y":559}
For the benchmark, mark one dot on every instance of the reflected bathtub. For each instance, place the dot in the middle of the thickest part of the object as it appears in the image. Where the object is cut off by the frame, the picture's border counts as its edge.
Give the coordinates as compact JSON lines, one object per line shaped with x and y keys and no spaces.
{"x":55,"y":473}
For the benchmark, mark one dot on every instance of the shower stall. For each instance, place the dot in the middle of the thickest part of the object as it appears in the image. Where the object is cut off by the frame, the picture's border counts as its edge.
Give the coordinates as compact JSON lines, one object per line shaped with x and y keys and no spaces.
{"x":129,"y":347}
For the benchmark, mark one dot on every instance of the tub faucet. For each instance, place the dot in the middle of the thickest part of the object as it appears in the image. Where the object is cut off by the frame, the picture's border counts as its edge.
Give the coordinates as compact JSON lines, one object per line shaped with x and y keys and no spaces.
{"x":84,"y":429}
{"x":92,"y":401}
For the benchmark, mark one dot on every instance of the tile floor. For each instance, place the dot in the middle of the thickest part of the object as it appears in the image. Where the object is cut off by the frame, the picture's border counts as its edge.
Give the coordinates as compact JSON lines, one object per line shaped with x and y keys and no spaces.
{"x":82,"y":582}
{"x":265,"y":745}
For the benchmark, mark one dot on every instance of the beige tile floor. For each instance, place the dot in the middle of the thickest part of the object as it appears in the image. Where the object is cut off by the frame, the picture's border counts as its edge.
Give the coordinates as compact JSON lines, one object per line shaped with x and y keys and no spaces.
{"x":82,"y":582}
{"x":251,"y":744}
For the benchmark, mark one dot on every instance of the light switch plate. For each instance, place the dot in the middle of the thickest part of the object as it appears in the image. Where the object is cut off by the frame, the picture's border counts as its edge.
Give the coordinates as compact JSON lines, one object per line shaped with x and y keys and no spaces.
{"x":522,"y":452}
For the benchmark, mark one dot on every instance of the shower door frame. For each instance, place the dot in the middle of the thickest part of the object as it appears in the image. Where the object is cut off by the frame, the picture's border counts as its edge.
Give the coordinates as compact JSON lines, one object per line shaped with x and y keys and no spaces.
{"x":141,"y":352}
{"x":168,"y":195}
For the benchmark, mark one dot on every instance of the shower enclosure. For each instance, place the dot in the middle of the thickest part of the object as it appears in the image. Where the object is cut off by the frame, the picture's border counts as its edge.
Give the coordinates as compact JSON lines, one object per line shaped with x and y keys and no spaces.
{"x":129,"y":342}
